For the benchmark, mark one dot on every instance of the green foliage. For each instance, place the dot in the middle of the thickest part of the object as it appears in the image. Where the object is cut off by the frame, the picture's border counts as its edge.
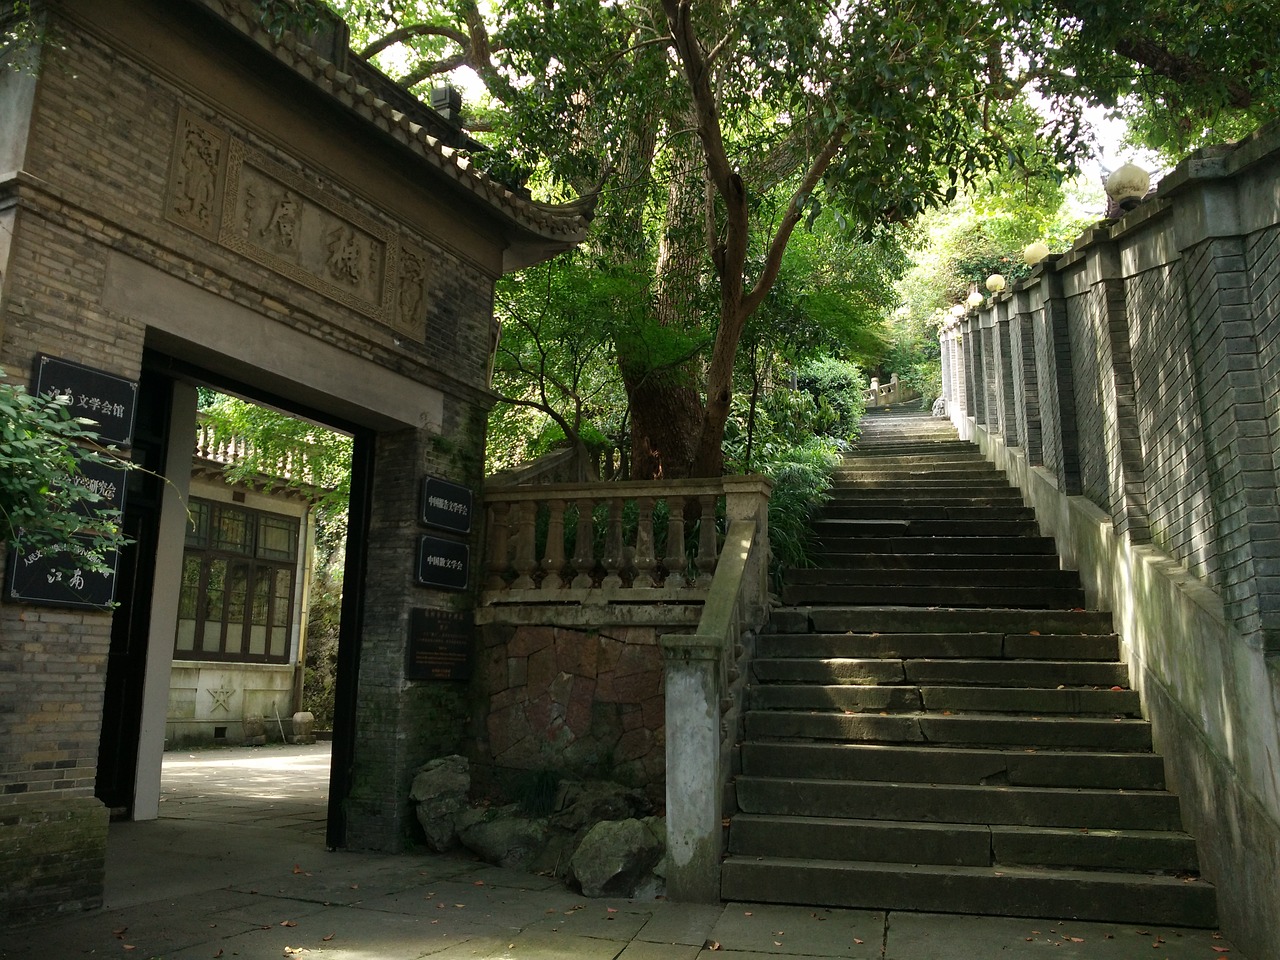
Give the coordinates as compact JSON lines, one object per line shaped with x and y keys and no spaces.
{"x":320,"y":658}
{"x":801,"y":478}
{"x":276,"y":447}
{"x":839,"y":390}
{"x":44,"y":496}
{"x":554,"y":369}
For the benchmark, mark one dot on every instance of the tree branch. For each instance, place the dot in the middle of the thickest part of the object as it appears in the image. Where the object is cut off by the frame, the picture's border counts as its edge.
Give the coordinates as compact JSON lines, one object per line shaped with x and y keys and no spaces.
{"x":401,"y":34}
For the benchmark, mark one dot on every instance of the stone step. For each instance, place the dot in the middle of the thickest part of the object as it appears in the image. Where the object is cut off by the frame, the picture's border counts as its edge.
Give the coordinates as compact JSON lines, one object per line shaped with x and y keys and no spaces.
{"x":1014,"y":575}
{"x":861,"y":698}
{"x":978,"y":496}
{"x":889,"y":459}
{"x":939,"y":646}
{"x":1028,"y":597}
{"x":1111,"y":735}
{"x":1077,"y":808}
{"x":899,"y":763}
{"x":834,"y":545}
{"x":934,"y":562}
{"x":923,"y":474}
{"x":825,"y":528}
{"x":961,"y":844}
{"x":1117,"y":897}
{"x":844,"y":510}
{"x":896,"y":619}
{"x":989,"y":672}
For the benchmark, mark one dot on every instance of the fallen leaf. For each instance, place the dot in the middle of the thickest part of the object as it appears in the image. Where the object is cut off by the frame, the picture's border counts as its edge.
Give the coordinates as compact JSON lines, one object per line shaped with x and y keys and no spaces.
{"x":1221,"y":949}
{"x":297,"y":868}
{"x":478,"y":883}
{"x":1035,"y":633}
{"x":1076,"y":939}
{"x":777,"y":943}
{"x":119,"y":931}
{"x":288,"y":923}
{"x":856,"y":940}
{"x":610,"y":909}
{"x":459,"y":905}
{"x":747,"y":913}
{"x":711,"y":945}
{"x":218,"y":954}
{"x":326,"y":939}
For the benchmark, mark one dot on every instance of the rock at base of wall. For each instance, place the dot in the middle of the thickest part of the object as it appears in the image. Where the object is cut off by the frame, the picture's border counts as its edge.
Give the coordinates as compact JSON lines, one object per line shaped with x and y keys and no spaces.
{"x":616,"y":857}
{"x":440,"y":793}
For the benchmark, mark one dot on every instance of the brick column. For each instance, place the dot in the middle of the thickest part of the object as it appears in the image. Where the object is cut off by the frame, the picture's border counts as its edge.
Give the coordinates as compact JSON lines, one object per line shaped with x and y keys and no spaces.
{"x":1057,"y":391}
{"x":1227,"y":338}
{"x":1027,"y":383}
{"x":1006,"y":378}
{"x":1125,"y":468}
{"x":972,"y":364}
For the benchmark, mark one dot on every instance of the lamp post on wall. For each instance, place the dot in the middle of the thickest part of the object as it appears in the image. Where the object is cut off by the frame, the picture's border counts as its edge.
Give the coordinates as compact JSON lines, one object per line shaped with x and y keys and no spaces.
{"x":1127,"y":186}
{"x":1034,"y":252}
{"x":995,"y":283}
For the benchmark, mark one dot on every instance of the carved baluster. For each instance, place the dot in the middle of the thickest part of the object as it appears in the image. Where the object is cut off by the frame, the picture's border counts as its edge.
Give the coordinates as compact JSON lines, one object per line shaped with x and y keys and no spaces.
{"x":553,"y":562}
{"x":645,"y":561}
{"x":615,"y":554}
{"x":707,"y":553}
{"x":498,"y":545}
{"x":584,"y":557}
{"x":526,"y":561}
{"x":675,"y":561}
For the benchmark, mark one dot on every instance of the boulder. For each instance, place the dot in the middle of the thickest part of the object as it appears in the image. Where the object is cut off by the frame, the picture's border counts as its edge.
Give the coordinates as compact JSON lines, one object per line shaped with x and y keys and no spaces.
{"x":616,"y":858}
{"x":505,"y":838}
{"x":585,"y":803}
{"x":440,"y":790}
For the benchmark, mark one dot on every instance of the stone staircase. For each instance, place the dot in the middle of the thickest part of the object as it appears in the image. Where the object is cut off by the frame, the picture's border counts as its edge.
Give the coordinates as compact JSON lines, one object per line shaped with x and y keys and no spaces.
{"x":935,"y":723}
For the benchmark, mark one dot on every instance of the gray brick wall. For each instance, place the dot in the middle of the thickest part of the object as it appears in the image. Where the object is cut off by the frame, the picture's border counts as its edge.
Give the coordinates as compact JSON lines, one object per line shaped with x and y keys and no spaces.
{"x":1179,"y":502}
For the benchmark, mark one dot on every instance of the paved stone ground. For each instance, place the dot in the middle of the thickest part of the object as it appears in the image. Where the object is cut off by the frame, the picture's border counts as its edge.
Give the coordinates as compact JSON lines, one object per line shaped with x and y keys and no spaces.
{"x":236,"y":868}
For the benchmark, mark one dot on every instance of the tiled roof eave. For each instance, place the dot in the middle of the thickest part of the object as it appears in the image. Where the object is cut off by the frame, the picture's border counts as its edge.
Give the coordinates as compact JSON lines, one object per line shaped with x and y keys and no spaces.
{"x":560,"y":224}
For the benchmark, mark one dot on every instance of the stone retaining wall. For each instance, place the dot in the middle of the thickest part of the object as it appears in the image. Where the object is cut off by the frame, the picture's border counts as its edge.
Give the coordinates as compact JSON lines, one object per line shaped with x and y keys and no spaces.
{"x":1147,"y":437}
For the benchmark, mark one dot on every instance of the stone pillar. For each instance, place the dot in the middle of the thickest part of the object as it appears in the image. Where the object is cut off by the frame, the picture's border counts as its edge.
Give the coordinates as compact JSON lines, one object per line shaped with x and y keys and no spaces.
{"x":747,"y":498}
{"x":694,"y":811}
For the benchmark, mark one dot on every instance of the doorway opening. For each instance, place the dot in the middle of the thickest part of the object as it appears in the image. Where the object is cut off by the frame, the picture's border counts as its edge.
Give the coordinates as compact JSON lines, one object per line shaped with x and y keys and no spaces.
{"x":238,"y":617}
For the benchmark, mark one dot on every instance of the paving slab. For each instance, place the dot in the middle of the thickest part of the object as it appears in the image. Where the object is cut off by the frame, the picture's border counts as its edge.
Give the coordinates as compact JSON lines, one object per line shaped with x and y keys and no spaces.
{"x":771,"y":930}
{"x":682,"y":923}
{"x":926,"y":936}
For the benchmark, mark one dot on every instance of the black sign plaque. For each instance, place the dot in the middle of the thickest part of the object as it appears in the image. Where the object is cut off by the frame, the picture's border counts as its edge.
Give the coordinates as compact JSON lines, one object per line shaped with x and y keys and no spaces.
{"x":445,"y":505}
{"x":439,"y":645}
{"x":445,"y":564}
{"x":110,"y":401}
{"x":106,"y":481}
{"x":57,"y":578}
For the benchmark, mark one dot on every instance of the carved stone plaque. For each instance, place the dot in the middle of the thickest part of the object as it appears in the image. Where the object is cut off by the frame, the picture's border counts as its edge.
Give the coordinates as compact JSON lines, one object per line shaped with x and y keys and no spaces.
{"x":196,"y":175}
{"x":273,"y":216}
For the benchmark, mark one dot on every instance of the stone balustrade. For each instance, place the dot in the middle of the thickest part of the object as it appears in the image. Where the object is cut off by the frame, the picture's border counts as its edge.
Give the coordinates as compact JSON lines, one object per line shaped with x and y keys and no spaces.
{"x":637,"y":541}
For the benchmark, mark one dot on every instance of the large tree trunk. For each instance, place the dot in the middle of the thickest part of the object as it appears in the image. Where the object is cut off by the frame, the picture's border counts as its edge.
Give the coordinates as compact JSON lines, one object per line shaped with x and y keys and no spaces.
{"x":666,"y":406}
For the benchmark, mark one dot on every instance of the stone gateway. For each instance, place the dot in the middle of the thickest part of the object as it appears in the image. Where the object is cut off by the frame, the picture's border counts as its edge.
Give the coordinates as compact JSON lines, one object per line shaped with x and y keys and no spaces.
{"x":186,"y":199}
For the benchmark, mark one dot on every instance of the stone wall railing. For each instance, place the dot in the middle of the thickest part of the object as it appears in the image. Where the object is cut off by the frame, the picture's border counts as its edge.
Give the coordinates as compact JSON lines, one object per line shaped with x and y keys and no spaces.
{"x":889,"y":394}
{"x":612,"y":542}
